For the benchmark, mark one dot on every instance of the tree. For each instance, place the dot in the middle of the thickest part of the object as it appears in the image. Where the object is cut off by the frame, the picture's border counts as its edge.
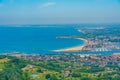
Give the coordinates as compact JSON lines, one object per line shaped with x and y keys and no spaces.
{"x":76,"y":75}
{"x":11,"y":74}
{"x":85,"y":78}
{"x":39,"y":70}
{"x":53,"y":77}
{"x":26,"y":76}
{"x":47,"y":76}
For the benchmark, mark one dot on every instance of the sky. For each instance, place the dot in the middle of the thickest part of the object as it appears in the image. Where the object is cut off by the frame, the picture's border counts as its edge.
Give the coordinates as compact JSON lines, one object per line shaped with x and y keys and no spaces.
{"x":59,"y":11}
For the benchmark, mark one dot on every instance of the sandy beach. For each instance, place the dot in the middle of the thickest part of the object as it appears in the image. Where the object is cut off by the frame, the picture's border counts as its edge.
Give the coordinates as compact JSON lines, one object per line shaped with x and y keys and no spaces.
{"x":73,"y":49}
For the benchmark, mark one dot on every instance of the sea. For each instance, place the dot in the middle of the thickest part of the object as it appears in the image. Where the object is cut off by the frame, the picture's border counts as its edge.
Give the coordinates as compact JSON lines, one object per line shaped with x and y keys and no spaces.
{"x":36,"y":39}
{"x":40,"y":39}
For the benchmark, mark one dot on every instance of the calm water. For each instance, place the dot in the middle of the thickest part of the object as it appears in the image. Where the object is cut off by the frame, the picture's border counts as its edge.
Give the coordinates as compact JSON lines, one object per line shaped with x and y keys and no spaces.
{"x":36,"y":39}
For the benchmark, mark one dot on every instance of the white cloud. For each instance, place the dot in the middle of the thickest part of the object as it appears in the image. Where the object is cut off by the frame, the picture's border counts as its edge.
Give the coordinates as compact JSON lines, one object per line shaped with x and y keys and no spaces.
{"x":48,"y":4}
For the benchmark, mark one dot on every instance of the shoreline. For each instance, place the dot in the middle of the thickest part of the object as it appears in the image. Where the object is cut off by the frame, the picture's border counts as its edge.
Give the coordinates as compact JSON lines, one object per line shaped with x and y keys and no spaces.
{"x":73,"y":49}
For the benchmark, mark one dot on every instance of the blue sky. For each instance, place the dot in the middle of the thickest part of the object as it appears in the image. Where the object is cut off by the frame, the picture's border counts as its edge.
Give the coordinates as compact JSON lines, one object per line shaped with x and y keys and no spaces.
{"x":59,"y":11}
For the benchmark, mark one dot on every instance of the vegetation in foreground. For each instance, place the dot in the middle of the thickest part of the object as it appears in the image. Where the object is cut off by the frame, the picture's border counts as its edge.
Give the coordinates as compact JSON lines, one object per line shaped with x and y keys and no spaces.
{"x":62,"y":67}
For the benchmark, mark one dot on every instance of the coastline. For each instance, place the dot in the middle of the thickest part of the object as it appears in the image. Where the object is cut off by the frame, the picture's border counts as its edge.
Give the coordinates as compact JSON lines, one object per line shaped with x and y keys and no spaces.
{"x":73,"y":49}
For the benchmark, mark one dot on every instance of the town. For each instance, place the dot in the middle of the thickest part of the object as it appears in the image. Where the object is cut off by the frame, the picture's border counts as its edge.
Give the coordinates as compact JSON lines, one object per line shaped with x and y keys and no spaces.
{"x":67,"y":66}
{"x":101,"y":39}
